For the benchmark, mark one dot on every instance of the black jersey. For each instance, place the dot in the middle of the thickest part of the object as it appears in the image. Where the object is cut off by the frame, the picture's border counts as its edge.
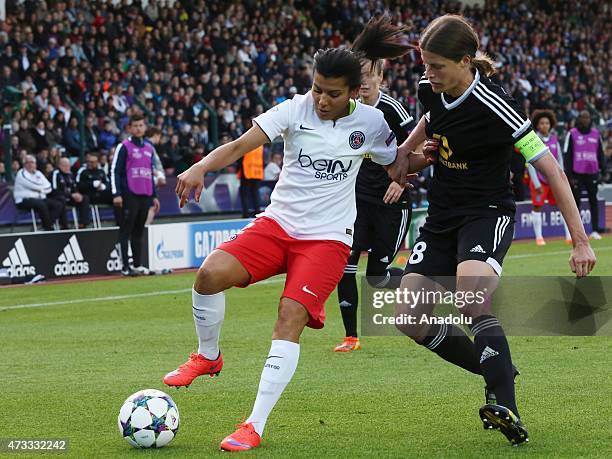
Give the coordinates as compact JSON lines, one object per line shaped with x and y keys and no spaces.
{"x":372,"y":180}
{"x":477,"y":133}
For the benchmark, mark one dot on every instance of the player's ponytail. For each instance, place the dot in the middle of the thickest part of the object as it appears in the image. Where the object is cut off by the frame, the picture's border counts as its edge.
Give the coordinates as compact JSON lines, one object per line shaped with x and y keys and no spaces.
{"x":452,"y":37}
{"x":484,"y":64}
{"x":379,"y":40}
{"x":382,"y":40}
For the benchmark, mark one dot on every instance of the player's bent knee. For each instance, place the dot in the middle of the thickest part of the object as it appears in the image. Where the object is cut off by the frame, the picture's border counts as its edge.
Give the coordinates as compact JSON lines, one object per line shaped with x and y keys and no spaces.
{"x":219,"y":272}
{"x":292,"y":318}
{"x":407,"y":322}
{"x":477,"y":309}
{"x":292,"y":312}
{"x":409,"y":317}
{"x":207,"y":282}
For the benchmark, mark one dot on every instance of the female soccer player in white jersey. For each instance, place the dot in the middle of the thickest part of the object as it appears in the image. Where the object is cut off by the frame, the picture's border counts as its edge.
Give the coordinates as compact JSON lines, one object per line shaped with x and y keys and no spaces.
{"x":307,"y":229}
{"x":383,"y":206}
{"x":473,"y":126}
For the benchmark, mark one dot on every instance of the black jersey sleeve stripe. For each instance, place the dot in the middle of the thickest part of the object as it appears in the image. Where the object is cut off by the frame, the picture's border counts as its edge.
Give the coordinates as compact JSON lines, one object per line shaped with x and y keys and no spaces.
{"x":526,"y":125}
{"x":517,"y":126}
{"x":517,"y":129}
{"x":399,"y":109}
{"x":508,"y":117}
{"x":494,"y":109}
{"x":501,"y":102}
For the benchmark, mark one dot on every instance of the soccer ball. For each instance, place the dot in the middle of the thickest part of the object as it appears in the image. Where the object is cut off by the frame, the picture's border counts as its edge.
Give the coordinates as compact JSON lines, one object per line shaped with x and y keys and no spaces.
{"x":148,"y":418}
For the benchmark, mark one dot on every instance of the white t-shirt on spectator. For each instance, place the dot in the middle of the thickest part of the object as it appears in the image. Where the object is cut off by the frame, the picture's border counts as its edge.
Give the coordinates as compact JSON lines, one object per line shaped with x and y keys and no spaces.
{"x":315,"y":194}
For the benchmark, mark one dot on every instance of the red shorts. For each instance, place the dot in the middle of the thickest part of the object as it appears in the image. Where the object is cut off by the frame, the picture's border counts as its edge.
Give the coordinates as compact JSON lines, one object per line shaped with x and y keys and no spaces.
{"x":313,"y":267}
{"x":546,"y":195}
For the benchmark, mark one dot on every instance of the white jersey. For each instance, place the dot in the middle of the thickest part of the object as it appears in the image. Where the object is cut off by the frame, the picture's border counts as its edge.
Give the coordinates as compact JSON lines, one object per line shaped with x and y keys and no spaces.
{"x":315,"y":194}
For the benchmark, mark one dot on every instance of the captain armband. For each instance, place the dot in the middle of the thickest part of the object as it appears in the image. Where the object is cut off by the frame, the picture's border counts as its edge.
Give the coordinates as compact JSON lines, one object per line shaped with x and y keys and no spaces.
{"x":531,"y":146}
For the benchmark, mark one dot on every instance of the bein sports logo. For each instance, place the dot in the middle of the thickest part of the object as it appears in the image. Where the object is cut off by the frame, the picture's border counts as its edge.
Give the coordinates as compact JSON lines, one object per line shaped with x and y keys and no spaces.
{"x":326,"y":169}
{"x":18,"y":262}
{"x":71,"y":261}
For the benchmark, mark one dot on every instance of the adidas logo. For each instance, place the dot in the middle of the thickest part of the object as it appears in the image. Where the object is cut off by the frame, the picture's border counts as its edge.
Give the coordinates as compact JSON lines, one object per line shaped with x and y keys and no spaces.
{"x":18,"y":262}
{"x":385,"y":259}
{"x":345,"y":304}
{"x":114,"y":262}
{"x":487,"y":353}
{"x":71,"y":261}
{"x":478,"y":249}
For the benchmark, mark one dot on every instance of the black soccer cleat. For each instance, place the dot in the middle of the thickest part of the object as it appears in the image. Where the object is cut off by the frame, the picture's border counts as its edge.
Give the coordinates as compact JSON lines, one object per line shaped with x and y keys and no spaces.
{"x":491,"y":399}
{"x":506,"y":421}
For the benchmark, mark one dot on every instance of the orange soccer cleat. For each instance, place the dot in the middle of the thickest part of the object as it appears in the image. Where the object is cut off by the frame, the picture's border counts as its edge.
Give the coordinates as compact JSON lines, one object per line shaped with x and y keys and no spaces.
{"x":349,"y":344}
{"x":197,"y":365}
{"x":243,"y":439}
{"x":540,"y":241}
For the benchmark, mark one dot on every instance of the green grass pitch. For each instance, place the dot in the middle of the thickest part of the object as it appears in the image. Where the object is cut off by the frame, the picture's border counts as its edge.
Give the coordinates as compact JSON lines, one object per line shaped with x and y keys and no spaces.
{"x":67,"y":367}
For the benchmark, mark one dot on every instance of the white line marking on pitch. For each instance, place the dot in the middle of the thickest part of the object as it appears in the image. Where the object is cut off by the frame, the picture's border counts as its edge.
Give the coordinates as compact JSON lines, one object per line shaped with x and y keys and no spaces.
{"x":115,"y":297}
{"x":559,"y":252}
{"x":185,"y":290}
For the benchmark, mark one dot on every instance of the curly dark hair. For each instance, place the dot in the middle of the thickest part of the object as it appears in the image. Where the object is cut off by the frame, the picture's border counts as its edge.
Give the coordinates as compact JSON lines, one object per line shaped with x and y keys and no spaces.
{"x":537,"y":115}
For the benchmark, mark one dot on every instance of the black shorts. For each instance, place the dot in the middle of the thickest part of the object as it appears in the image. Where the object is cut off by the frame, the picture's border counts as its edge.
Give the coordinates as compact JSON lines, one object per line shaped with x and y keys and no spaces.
{"x":437,"y":253}
{"x":380,"y":229}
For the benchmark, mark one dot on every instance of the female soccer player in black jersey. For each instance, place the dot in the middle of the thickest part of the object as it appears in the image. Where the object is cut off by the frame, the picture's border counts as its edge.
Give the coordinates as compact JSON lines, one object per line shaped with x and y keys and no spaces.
{"x":383,"y":206}
{"x":471,"y":127}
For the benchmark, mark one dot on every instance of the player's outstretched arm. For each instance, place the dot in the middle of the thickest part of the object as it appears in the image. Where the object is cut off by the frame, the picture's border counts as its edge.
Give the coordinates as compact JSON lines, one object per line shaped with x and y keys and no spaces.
{"x":193,"y":178}
{"x":582,"y":260}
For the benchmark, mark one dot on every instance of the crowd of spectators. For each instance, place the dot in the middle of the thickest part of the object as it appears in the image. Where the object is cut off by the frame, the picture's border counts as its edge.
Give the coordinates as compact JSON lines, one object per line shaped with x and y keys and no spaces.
{"x":200,"y":70}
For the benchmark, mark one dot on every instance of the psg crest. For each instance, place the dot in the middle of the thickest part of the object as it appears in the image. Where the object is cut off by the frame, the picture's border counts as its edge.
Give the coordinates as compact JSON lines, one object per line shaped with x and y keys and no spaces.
{"x":356,"y":139}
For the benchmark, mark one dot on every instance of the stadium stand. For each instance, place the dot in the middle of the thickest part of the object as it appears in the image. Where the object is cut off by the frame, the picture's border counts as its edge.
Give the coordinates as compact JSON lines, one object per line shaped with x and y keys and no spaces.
{"x":199,"y":70}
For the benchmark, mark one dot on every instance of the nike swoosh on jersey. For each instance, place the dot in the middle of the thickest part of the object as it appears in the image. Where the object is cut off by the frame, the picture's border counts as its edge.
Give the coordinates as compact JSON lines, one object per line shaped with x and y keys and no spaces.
{"x":304,"y":128}
{"x":307,"y":290}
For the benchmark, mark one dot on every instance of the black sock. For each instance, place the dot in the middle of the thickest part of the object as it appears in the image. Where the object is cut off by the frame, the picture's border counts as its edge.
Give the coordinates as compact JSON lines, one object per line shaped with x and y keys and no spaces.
{"x":390,"y":280}
{"x":348,"y":298}
{"x":395,"y":279}
{"x":454,"y":346}
{"x":495,"y":360}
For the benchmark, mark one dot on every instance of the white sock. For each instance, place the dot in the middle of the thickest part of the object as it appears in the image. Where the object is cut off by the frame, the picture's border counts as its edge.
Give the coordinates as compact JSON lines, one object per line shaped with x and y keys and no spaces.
{"x":536,"y":220}
{"x":568,"y":236}
{"x":208,"y":313}
{"x":278,"y":370}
